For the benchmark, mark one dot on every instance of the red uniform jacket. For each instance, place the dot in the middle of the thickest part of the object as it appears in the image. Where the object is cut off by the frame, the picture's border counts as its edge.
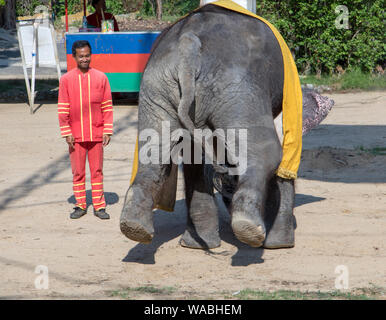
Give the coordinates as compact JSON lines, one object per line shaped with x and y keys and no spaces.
{"x":95,"y":20}
{"x":85,"y":107}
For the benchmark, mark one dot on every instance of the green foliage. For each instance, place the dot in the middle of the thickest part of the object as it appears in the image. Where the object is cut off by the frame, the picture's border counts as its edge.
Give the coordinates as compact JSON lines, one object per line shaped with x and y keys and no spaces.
{"x":309,"y":29}
{"x":148,"y":8}
{"x":115,"y":6}
{"x":170,"y":7}
{"x":307,"y":26}
{"x":179,"y":7}
{"x":26,"y":7}
{"x":73,"y":6}
{"x":2,"y":3}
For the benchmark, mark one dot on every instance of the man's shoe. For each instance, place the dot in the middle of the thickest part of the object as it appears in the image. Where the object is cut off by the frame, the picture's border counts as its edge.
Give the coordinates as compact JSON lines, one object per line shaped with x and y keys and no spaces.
{"x":102,"y":214}
{"x":78,"y":212}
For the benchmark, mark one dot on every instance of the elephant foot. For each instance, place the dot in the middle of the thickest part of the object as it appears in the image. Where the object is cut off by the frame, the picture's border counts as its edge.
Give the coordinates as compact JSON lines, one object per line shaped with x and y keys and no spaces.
{"x":247,"y":231}
{"x":190,"y":239}
{"x":136,"y":232}
{"x":282,"y":233}
{"x":136,"y":221}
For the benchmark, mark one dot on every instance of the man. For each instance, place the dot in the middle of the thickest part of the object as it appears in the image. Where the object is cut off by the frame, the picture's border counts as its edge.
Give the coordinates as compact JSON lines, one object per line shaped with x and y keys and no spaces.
{"x":100,"y":13}
{"x":86,"y":122}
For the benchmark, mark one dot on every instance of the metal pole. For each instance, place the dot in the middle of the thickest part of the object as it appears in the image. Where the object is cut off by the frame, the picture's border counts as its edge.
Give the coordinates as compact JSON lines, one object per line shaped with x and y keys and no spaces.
{"x":55,"y":51}
{"x":34,"y":47}
{"x":26,"y":77}
{"x":66,"y":10}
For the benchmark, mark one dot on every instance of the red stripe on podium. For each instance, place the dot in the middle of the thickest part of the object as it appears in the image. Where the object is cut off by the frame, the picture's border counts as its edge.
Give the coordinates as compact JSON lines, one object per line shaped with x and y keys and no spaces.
{"x":114,"y":63}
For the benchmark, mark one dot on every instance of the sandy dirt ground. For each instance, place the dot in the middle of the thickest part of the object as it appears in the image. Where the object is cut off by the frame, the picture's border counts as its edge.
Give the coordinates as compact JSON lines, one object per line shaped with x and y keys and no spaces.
{"x":340,"y":213}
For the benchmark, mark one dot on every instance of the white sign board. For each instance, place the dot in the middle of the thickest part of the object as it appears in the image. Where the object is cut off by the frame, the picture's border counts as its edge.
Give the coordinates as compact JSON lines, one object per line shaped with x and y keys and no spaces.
{"x":247,"y":4}
{"x":45,"y":54}
{"x":37,"y":49}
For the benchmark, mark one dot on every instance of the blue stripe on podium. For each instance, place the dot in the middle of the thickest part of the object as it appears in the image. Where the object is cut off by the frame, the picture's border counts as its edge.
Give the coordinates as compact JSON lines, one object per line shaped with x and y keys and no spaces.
{"x":112,"y":43}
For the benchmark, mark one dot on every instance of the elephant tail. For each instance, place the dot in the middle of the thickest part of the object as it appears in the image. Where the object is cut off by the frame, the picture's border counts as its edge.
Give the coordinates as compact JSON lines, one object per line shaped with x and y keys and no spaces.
{"x":189,"y":52}
{"x":189,"y":66}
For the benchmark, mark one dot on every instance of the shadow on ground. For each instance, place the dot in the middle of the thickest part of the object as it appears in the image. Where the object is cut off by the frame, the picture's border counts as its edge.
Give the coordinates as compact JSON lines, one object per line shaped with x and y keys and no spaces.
{"x":110,"y":198}
{"x":167,"y":226}
{"x":302,"y":199}
{"x":46,"y":175}
{"x":170,"y":225}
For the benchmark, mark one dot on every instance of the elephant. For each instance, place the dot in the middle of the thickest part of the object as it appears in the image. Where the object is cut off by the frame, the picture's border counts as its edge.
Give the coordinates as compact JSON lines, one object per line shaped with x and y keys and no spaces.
{"x":218,"y":69}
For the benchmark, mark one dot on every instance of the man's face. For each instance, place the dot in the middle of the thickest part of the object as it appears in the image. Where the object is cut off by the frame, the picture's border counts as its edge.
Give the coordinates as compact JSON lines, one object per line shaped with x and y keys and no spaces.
{"x":83,"y":57}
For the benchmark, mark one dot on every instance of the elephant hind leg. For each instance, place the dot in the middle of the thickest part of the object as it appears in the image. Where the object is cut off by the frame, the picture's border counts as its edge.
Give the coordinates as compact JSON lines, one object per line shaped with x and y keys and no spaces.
{"x":202,"y":230}
{"x":248,"y":232}
{"x":136,"y":221}
{"x":279,"y":218}
{"x":155,"y":179}
{"x":248,"y":202}
{"x":153,"y":186}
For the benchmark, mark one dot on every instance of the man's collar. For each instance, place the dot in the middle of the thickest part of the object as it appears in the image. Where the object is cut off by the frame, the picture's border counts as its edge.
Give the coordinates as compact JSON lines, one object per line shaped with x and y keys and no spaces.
{"x":80,"y":72}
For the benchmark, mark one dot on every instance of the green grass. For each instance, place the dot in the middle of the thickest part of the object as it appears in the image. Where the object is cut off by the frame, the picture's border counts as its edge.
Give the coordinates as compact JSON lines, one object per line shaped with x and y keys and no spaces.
{"x":350,"y":80}
{"x":250,"y":294}
{"x":377,"y":151}
{"x":371,"y":293}
{"x":128,"y":293}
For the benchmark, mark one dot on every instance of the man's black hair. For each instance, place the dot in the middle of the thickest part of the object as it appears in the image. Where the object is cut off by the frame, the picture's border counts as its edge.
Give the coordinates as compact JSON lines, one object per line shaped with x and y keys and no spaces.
{"x":80,"y":44}
{"x":94,"y":2}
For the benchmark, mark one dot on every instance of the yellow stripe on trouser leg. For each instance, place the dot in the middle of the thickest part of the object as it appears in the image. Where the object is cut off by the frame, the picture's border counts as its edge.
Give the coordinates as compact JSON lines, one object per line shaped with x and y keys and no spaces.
{"x":98,"y":198}
{"x":292,"y":101}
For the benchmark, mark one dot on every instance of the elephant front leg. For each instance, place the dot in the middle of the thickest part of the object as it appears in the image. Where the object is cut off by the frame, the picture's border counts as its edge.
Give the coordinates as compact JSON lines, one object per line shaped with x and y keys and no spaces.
{"x":279,"y":217}
{"x":202,"y":230}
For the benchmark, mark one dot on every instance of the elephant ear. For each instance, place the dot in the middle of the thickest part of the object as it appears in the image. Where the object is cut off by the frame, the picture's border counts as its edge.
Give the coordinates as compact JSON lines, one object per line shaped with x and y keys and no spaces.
{"x":315,"y":109}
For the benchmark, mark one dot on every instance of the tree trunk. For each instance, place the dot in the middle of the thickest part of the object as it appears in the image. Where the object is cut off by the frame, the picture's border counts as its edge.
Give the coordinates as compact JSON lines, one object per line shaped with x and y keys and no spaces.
{"x":159,"y":9}
{"x":8,"y":15}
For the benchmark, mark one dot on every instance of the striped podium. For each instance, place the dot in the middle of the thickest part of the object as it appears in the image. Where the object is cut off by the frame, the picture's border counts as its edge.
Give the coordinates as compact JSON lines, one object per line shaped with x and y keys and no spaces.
{"x":122,"y":56}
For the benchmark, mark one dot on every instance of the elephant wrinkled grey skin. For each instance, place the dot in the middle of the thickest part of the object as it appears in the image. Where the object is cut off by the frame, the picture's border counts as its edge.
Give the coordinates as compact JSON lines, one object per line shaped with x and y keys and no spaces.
{"x":216,"y":69}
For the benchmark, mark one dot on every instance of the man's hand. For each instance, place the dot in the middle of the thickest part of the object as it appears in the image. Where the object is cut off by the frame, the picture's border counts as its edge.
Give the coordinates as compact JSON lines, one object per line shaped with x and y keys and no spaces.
{"x":70,"y":141}
{"x":106,"y":139}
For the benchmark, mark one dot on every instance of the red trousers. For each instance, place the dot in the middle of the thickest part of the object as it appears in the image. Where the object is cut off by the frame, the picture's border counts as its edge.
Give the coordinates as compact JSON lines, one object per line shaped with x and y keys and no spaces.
{"x":94,"y":151}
